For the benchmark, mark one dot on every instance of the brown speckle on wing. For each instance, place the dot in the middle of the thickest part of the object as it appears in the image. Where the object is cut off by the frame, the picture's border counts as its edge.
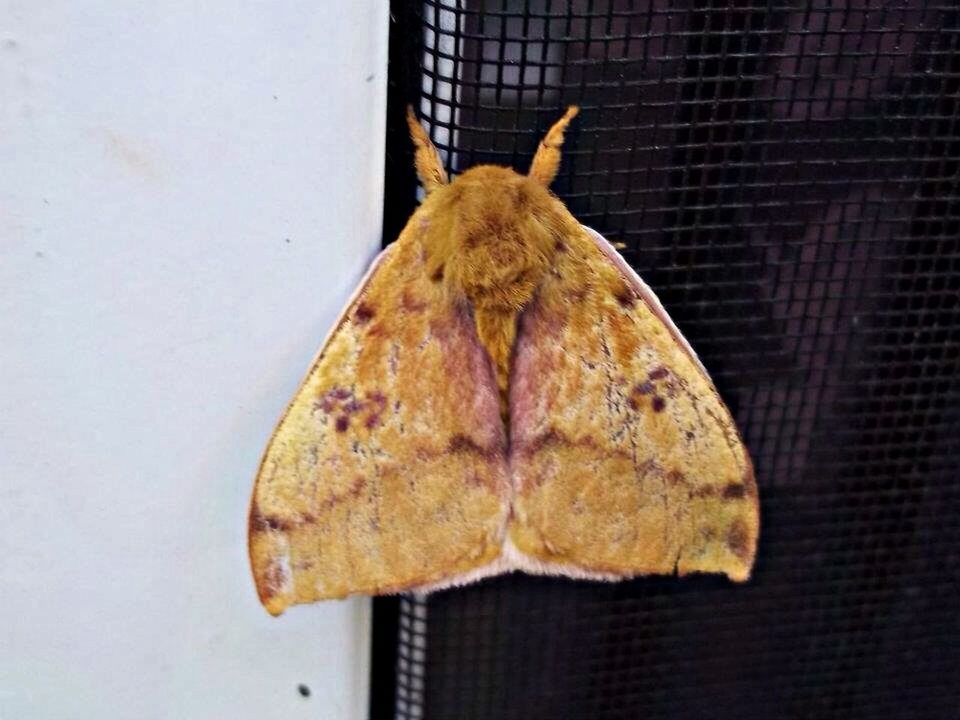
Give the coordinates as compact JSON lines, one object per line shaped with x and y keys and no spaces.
{"x":627,"y":460}
{"x":355,"y":498}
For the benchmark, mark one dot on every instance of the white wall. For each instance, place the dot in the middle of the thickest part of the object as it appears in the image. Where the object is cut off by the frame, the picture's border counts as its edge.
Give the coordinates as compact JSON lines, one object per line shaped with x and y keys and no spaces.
{"x":188,"y":192}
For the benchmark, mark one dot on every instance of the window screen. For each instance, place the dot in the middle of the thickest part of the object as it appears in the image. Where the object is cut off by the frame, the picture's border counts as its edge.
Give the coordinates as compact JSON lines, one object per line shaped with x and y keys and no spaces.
{"x":785,"y":176}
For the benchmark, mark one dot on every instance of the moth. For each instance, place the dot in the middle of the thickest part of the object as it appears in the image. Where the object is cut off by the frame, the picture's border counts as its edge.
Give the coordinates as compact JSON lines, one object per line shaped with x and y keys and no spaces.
{"x":502,"y":392}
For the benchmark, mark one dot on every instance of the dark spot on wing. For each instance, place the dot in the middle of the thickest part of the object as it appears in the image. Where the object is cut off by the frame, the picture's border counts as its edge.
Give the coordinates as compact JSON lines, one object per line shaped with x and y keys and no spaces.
{"x":263,"y":523}
{"x":461,"y":443}
{"x":659,"y":404}
{"x":364,"y":313}
{"x":274,"y":523}
{"x":343,"y":422}
{"x":738,"y":540}
{"x":658,"y":373}
{"x":734,"y":491}
{"x":625,"y":297}
{"x":560,"y":246}
{"x":437,"y":274}
{"x":332,"y":399}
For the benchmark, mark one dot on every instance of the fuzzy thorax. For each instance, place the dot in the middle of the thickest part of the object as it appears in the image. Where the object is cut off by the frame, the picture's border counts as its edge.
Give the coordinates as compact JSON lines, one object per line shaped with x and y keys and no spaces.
{"x":492,"y":235}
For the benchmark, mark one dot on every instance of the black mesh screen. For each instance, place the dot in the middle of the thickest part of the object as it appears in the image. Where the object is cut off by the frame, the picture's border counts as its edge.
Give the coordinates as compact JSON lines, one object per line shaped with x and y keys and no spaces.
{"x":785,"y":176}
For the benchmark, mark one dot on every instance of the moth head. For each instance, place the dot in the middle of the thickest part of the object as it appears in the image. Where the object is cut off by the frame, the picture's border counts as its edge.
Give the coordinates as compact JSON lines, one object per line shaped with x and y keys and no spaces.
{"x":492,"y":232}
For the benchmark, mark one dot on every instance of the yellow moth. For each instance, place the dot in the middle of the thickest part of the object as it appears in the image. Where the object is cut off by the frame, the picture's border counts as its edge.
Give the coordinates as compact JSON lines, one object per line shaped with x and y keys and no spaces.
{"x":501,"y":393}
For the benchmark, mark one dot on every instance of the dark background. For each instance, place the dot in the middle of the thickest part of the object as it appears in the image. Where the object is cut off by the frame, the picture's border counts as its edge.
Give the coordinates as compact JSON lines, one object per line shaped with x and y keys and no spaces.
{"x":785,"y":176}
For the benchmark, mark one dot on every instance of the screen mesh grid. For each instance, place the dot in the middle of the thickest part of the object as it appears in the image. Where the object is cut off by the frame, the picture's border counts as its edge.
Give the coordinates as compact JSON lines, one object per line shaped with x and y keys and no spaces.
{"x":785,"y":176}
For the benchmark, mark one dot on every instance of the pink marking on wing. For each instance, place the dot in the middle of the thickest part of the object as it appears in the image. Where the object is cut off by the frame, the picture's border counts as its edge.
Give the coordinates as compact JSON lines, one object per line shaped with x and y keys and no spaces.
{"x":468,"y":364}
{"x":532,"y":361}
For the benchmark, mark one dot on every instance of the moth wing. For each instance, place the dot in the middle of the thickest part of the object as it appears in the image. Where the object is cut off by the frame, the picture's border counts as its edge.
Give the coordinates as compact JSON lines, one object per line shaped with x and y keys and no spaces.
{"x":387,"y":470}
{"x":625,"y":459}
